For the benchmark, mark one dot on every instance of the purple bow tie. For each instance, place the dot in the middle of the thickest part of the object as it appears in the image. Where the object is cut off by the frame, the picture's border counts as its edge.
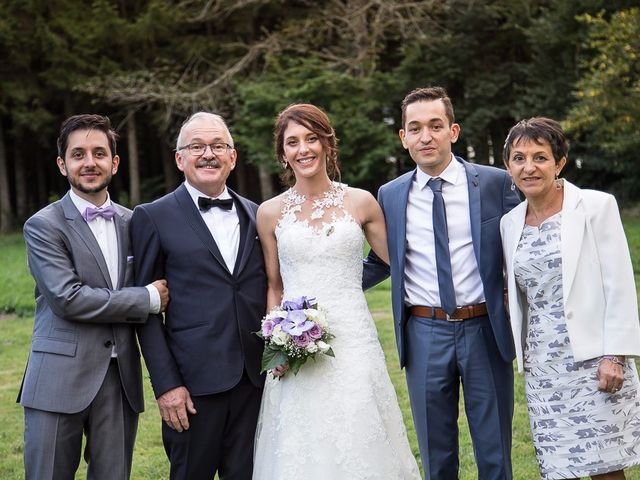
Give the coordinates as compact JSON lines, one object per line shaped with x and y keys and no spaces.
{"x":91,"y":213}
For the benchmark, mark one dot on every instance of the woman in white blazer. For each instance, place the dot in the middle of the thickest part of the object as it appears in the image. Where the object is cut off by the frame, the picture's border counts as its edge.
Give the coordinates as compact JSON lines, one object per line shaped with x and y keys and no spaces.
{"x":574,"y":312}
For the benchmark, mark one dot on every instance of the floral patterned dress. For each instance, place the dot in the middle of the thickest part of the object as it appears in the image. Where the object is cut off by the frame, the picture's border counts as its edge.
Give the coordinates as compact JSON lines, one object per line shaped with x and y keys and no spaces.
{"x":577,"y":430}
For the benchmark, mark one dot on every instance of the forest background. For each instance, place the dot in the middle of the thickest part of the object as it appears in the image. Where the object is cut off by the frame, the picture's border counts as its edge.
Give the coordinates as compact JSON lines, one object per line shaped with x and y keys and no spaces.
{"x":148,"y":64}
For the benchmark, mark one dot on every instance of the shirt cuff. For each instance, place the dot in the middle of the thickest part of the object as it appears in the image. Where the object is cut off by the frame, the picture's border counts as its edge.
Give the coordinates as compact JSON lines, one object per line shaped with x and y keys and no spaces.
{"x":154,"y":299}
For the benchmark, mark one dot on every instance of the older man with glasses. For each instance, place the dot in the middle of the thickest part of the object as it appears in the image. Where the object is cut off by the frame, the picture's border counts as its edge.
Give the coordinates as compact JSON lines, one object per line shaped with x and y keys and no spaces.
{"x":203,"y":359}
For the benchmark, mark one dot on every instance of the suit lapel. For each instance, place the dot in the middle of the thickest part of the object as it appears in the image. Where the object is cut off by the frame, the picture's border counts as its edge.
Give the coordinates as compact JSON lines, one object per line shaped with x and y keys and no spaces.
{"x":572,"y":233}
{"x":78,"y":225}
{"x":514,"y":230}
{"x":123,"y":245}
{"x":195,"y":221}
{"x":398,"y":209}
{"x":475,"y":206}
{"x":247,"y":231}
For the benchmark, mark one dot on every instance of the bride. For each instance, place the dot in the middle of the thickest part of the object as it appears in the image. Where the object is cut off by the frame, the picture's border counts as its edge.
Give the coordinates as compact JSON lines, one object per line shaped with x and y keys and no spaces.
{"x":338,"y":417}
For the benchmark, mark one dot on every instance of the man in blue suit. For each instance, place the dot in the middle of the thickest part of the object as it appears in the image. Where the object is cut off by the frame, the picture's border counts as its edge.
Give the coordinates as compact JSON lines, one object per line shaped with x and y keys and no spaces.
{"x":203,"y":357}
{"x":451,"y":326}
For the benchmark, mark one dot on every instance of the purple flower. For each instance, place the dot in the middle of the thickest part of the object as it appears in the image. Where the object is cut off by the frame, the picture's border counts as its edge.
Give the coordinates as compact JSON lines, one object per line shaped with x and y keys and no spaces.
{"x":309,"y":302}
{"x":315,"y":332}
{"x":277,"y":320}
{"x":267,"y":328}
{"x":293,"y":304}
{"x":296,"y":323}
{"x":302,"y":340}
{"x":298,"y":303}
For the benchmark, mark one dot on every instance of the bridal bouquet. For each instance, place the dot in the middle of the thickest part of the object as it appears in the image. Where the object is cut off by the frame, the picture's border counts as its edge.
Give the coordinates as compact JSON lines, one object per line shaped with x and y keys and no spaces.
{"x":294,"y":331}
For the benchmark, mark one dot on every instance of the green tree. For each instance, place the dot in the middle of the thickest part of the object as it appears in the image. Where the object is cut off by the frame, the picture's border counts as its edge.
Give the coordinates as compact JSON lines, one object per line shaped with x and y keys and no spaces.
{"x":356,"y":106}
{"x":150,"y":63}
{"x":501,"y":61}
{"x":606,"y":115}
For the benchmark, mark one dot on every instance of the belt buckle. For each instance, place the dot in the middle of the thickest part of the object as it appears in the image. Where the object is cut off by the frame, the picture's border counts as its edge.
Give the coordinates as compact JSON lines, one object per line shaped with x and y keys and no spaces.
{"x":449,"y":319}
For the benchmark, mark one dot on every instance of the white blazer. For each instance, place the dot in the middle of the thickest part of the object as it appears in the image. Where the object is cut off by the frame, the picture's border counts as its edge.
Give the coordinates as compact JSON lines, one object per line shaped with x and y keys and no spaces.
{"x":600,"y":303}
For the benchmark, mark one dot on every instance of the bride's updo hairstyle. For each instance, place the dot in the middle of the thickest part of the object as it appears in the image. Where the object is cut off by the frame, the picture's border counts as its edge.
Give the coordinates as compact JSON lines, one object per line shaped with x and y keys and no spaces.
{"x":314,"y":119}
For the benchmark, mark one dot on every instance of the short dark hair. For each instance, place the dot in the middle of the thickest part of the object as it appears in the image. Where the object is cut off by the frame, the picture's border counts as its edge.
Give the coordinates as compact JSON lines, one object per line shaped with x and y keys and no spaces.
{"x":86,"y":122}
{"x":537,"y":129}
{"x":316,"y":120}
{"x":428,"y":94}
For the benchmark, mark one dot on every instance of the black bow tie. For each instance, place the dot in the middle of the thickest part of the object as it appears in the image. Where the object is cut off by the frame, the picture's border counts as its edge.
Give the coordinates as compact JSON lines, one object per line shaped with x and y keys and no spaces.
{"x":205,"y":203}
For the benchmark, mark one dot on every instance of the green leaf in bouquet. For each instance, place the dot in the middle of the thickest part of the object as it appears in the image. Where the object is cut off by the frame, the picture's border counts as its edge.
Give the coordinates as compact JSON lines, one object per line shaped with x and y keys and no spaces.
{"x":330,"y":352}
{"x":271,"y":358}
{"x":295,"y":364}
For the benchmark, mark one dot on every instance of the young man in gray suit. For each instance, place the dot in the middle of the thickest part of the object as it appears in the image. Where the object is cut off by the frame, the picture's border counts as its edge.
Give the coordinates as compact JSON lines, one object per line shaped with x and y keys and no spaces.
{"x":83,"y":372}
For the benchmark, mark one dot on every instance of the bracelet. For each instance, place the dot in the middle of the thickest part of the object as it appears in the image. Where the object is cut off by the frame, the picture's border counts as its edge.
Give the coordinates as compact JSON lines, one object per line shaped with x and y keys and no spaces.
{"x":613,"y":359}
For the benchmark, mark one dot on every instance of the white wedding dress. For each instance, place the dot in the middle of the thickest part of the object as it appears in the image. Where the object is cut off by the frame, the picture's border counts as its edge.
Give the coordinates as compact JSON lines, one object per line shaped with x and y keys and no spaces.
{"x":338,"y":418}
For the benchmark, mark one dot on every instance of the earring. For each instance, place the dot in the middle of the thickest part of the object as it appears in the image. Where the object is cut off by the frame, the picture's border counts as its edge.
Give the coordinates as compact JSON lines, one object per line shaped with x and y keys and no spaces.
{"x":284,"y":163}
{"x":513,"y":185}
{"x":558,"y":183}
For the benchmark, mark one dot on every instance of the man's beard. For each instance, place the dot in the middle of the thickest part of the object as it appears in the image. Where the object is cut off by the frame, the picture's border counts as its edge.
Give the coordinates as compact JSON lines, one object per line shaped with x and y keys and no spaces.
{"x":81,"y":188}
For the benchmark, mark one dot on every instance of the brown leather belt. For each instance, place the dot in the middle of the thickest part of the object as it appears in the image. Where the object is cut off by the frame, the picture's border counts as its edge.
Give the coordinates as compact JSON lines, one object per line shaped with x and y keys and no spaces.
{"x":461,"y":313}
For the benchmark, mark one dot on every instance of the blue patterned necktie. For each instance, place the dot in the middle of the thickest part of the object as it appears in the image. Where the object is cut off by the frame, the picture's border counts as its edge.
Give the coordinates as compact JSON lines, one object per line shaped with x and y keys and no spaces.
{"x":443,"y":257}
{"x":91,"y":213}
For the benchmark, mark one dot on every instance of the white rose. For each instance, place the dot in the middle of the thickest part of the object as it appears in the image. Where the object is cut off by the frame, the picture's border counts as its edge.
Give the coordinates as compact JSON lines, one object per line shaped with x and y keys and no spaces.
{"x":311,"y":313}
{"x":318,"y":317}
{"x":275,"y":314}
{"x":322,"y":346}
{"x":279,"y":337}
{"x":312,"y":348}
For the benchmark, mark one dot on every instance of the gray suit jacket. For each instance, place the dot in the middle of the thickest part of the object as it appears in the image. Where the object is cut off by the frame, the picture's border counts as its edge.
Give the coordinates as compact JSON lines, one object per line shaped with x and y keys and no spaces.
{"x":79,"y":314}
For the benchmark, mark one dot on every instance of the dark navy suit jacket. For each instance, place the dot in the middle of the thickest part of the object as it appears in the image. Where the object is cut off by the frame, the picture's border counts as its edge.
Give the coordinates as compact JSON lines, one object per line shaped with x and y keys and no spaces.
{"x":490,"y":197}
{"x":206,"y":339}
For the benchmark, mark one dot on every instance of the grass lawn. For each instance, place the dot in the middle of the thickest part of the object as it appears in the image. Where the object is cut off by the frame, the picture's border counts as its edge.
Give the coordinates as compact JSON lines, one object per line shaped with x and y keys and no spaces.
{"x":16,"y":297}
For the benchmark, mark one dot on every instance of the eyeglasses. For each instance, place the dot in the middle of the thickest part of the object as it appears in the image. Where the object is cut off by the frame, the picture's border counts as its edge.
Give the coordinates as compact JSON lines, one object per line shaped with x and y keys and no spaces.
{"x":198,"y":149}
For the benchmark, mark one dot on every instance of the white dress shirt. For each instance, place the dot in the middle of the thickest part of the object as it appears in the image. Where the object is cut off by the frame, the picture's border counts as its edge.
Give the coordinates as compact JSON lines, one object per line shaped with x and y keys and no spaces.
{"x":421,"y":275}
{"x":224,"y":225}
{"x":105,"y":232}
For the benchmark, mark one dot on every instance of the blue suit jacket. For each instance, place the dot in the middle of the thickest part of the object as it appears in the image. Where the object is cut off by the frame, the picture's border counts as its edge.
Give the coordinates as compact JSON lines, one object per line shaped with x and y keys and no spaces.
{"x":205,"y":340}
{"x":490,"y":197}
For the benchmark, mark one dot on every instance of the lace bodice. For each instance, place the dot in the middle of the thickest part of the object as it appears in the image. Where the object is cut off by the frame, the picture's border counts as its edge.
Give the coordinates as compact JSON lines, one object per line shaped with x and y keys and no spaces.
{"x":320,"y":214}
{"x":320,"y":255}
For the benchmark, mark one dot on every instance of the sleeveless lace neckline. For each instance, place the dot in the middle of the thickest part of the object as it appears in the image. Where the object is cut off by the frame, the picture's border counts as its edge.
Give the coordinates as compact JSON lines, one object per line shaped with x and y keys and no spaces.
{"x":325,"y":210}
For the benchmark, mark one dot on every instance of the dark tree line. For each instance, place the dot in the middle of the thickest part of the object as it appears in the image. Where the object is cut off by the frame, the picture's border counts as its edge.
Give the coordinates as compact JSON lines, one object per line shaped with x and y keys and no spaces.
{"x":150,"y":63}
